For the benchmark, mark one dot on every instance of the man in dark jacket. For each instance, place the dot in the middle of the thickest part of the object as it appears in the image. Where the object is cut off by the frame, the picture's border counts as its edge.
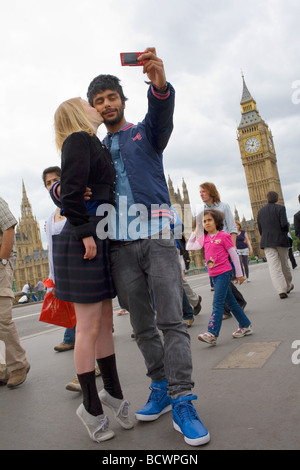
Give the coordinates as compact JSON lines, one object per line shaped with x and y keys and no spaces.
{"x":273,"y":227}
{"x":147,"y":260}
{"x":297,"y":224}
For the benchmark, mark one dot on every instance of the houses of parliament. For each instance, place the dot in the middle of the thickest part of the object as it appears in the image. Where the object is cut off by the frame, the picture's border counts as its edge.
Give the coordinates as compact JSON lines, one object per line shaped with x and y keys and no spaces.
{"x":258,"y":157}
{"x":32,"y":260}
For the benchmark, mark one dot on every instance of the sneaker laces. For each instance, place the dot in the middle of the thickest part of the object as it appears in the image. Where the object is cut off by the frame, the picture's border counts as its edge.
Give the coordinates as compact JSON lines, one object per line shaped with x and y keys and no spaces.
{"x":124,"y":409}
{"x":103,"y":426}
{"x":156,"y":393}
{"x":185,"y":409}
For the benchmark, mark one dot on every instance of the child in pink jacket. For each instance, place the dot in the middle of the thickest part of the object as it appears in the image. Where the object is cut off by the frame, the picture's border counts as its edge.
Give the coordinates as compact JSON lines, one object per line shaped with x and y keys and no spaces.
{"x":218,"y":247}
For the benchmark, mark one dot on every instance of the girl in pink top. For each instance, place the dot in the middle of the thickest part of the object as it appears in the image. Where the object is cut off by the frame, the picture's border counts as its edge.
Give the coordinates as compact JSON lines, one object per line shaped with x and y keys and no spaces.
{"x":218,"y":246}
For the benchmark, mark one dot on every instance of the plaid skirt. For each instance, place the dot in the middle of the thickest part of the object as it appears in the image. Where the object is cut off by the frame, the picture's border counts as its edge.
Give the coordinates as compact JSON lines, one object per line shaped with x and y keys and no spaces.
{"x":80,"y":280}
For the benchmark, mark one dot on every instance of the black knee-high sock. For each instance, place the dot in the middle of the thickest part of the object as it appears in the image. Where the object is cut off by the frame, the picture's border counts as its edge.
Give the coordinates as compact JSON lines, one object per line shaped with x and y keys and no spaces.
{"x":91,"y":400}
{"x":110,"y":377}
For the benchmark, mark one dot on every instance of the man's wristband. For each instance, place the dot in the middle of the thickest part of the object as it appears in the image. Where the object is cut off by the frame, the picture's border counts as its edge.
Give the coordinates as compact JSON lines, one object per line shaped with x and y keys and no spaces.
{"x":161,"y":89}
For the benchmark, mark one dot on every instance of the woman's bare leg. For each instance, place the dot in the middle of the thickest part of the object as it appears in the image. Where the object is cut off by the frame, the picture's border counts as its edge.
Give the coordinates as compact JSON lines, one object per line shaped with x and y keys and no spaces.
{"x":104,"y":346}
{"x":88,"y":327}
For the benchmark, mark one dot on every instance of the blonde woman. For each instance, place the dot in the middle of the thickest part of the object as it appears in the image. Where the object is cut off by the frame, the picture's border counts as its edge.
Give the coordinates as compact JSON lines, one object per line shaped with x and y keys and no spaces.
{"x":82,"y":262}
{"x":244,"y":248}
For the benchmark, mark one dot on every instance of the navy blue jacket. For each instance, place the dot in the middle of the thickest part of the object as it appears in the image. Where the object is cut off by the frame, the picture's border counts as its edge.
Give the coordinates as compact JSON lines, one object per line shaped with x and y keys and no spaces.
{"x":141,"y":148}
{"x":273,"y":225}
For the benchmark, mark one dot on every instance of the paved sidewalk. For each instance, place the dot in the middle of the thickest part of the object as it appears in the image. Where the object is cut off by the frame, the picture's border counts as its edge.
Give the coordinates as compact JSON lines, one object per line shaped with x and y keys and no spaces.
{"x":248,"y":389}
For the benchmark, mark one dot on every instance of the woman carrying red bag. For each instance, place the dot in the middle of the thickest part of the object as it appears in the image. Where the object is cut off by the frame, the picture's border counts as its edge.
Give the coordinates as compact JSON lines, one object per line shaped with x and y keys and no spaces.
{"x":82,"y":262}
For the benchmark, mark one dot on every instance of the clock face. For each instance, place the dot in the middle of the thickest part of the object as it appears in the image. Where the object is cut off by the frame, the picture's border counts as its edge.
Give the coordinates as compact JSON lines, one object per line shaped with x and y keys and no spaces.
{"x":252,"y":145}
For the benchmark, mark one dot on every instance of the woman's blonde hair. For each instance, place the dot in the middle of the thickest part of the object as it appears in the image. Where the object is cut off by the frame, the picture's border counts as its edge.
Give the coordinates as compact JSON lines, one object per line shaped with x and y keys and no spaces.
{"x":71,"y":117}
{"x":238,"y":224}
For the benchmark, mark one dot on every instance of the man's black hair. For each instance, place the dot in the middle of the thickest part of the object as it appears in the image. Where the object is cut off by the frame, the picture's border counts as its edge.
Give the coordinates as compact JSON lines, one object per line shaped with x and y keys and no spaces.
{"x":272,"y":197}
{"x":50,"y":169}
{"x":102,"y":83}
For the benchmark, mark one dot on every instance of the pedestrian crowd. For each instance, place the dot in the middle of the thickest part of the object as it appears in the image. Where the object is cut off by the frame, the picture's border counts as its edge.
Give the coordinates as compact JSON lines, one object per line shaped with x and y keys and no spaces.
{"x":99,"y":249}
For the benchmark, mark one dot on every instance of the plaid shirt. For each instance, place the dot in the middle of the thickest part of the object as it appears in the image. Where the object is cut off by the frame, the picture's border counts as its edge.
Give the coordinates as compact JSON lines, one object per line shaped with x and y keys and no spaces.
{"x":7,"y":219}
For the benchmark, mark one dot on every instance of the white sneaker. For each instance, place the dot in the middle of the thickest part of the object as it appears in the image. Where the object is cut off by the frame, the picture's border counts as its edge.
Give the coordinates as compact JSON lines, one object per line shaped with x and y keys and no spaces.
{"x":120,"y":408}
{"x":97,"y":426}
{"x":208,"y":338}
{"x":243,"y":332}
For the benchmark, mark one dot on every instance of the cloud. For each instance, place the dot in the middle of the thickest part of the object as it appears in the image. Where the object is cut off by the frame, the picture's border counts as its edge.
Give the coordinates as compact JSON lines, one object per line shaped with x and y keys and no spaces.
{"x":52,"y":51}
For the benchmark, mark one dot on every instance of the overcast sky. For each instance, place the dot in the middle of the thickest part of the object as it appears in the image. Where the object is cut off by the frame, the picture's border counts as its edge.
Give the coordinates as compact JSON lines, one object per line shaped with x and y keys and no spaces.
{"x":50,"y":51}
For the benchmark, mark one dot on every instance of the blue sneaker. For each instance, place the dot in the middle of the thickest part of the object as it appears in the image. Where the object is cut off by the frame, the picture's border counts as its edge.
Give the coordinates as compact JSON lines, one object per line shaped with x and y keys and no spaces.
{"x":186,"y":421}
{"x":158,"y":404}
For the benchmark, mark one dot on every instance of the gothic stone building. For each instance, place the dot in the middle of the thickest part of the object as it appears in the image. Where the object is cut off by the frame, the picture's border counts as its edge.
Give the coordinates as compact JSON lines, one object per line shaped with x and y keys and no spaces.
{"x":32,"y":259}
{"x":181,"y":203}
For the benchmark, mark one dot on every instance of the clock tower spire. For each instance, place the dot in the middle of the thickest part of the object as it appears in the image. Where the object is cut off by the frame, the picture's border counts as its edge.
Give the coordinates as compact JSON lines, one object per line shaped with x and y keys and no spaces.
{"x":250,"y":112}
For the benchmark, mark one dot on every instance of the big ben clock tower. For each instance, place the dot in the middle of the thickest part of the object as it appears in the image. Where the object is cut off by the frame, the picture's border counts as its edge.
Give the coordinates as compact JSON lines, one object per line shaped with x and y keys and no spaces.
{"x":257,"y":153}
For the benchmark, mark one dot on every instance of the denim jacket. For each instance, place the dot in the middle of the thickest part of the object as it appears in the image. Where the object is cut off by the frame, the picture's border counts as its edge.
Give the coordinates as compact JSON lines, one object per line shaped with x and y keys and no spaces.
{"x":141,"y":148}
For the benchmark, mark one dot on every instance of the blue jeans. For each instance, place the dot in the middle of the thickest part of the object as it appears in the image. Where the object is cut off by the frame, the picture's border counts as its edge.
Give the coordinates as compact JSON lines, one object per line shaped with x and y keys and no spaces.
{"x":223,"y":295}
{"x":138,"y":268}
{"x":188,"y":311}
{"x":69,"y":336}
